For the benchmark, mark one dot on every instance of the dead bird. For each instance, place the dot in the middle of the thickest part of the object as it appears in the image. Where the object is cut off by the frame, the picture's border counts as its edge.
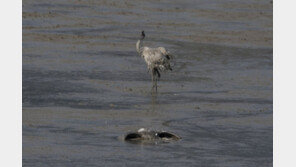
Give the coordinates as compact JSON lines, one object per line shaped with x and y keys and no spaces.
{"x":144,"y":135}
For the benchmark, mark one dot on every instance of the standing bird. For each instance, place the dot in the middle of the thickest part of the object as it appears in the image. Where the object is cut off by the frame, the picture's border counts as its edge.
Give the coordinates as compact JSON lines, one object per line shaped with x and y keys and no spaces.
{"x":157,"y":59}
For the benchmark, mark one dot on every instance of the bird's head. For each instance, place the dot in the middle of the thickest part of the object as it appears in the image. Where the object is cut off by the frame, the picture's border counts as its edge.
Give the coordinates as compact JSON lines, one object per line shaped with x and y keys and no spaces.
{"x":143,"y":35}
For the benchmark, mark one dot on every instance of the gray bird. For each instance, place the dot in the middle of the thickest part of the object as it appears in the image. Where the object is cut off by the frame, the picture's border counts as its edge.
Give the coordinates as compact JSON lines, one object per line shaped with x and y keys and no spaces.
{"x":157,"y":59}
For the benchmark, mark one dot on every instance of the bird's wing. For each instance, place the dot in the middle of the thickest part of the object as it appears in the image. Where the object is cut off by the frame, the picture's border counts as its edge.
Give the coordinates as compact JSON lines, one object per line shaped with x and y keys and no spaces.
{"x":152,"y":55}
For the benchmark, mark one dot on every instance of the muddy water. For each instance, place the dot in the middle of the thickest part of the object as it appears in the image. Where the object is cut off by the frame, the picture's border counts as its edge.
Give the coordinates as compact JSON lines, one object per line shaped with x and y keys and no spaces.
{"x":84,"y":85}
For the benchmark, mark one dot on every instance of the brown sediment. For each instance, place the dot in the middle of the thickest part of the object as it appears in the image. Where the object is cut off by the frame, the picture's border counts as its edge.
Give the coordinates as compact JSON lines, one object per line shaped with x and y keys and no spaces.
{"x":251,"y":38}
{"x":39,"y":15}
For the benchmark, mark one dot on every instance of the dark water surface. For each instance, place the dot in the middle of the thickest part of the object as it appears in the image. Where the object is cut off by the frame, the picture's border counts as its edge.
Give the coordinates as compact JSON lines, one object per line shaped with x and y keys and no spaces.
{"x":84,"y":86}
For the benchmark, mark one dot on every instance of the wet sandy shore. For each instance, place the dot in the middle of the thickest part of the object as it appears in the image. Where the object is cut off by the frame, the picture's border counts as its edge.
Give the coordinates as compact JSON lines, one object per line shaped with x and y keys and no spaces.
{"x":84,"y":84}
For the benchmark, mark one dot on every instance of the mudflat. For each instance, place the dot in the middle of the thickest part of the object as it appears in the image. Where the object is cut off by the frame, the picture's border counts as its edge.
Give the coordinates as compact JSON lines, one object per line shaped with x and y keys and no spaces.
{"x":84,"y":84}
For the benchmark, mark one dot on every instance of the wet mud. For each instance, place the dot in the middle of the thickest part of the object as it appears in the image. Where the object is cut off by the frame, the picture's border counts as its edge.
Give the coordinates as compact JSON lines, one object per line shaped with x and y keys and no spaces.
{"x":84,"y":84}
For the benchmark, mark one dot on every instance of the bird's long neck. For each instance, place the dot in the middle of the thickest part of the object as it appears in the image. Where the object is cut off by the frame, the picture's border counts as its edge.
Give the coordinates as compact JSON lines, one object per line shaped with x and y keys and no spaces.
{"x":139,"y":45}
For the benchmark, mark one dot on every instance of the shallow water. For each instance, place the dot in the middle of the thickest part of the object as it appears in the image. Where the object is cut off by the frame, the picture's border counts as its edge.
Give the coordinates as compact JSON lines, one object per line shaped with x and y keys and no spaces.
{"x":84,"y":85}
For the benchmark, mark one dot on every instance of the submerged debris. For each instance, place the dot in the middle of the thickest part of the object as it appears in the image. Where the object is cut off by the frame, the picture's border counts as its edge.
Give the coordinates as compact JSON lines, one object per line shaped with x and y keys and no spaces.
{"x":144,"y":135}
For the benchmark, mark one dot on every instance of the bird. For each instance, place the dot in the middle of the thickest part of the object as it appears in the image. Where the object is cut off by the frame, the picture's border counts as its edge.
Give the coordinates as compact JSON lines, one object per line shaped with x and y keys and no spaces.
{"x":145,"y":136}
{"x":157,"y":59}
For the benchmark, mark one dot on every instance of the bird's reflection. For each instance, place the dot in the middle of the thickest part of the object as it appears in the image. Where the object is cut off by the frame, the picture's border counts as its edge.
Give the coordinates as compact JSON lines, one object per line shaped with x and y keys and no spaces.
{"x":153,"y":101}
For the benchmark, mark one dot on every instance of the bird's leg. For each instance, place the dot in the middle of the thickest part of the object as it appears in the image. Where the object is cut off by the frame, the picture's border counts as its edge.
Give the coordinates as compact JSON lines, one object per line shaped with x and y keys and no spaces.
{"x":156,"y":84}
{"x":157,"y":76}
{"x":152,"y":77}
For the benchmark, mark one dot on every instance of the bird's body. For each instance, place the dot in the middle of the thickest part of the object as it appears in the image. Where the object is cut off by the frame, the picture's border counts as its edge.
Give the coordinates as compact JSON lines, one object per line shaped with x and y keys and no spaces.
{"x":157,"y":59}
{"x":146,"y":136}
